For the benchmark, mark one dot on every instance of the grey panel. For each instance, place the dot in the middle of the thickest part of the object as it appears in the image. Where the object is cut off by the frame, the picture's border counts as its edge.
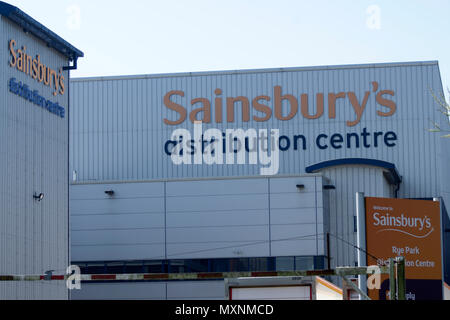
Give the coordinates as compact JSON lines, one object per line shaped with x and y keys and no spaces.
{"x":133,"y":191}
{"x":293,"y":200}
{"x":223,"y":187}
{"x":294,"y":247}
{"x":234,"y":249}
{"x":118,"y":237}
{"x":130,"y":225}
{"x":213,"y":225}
{"x":294,"y":239}
{"x":215,"y":202}
{"x":289,"y":185}
{"x":217,"y":218}
{"x":117,"y":252}
{"x":119,"y":221}
{"x":118,"y":206}
{"x":292,"y":215}
{"x":241,"y":233}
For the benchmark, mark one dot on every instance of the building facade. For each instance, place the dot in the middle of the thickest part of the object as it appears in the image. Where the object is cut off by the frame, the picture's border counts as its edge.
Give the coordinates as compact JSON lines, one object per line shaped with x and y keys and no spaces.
{"x":34,"y":176}
{"x":169,"y":173}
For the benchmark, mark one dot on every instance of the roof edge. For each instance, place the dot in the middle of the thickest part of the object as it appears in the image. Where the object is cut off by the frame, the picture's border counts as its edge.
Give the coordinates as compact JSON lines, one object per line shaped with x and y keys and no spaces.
{"x":257,"y":70}
{"x":29,"y":24}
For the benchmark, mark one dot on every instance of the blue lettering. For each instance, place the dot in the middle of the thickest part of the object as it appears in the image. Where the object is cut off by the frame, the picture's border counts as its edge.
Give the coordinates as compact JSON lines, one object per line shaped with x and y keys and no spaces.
{"x":22,"y":90}
{"x":390,"y":136}
{"x":296,"y":138}
{"x":375,"y":138}
{"x":349,"y":144}
{"x":288,"y":143}
{"x":365,"y":134}
{"x":321,"y":136}
{"x":166,"y":147}
{"x":335,"y":139}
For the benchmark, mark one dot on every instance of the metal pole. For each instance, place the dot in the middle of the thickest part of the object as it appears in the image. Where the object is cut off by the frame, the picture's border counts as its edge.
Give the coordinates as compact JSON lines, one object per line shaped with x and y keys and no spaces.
{"x":441,"y":221}
{"x":401,"y":278}
{"x":392,"y":280}
{"x":328,"y":251}
{"x":361,"y":233}
{"x":354,"y":287}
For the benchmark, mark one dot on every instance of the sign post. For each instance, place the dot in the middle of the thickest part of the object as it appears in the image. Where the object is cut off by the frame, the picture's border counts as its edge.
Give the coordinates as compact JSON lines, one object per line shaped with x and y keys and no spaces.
{"x":361,"y":232}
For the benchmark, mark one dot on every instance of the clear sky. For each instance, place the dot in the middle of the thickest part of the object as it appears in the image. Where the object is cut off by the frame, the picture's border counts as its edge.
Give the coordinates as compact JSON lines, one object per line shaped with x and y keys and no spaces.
{"x":148,"y":36}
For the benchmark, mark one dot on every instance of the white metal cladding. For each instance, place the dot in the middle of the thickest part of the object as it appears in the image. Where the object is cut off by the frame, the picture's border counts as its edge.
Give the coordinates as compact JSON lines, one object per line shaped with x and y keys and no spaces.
{"x":117,"y":129}
{"x":33,"y":158}
{"x":248,"y":217}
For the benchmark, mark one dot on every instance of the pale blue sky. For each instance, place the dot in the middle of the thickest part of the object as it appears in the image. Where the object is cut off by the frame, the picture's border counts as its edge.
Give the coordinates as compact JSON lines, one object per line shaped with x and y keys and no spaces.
{"x":146,"y":37}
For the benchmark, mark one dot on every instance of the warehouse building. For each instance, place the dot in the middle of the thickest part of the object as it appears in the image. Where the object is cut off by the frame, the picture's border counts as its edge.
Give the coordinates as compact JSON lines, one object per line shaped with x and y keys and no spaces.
{"x":34,"y":152}
{"x":243,"y":170}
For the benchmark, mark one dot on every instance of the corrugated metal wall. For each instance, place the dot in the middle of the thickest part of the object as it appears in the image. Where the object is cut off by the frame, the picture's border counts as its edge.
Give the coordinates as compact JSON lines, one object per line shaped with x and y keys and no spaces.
{"x":33,"y":158}
{"x":342,"y":201}
{"x":117,"y":129}
{"x":194,"y":219}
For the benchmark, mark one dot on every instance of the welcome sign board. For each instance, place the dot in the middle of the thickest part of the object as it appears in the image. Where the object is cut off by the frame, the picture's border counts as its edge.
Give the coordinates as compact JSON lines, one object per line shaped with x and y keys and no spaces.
{"x":408,"y":228}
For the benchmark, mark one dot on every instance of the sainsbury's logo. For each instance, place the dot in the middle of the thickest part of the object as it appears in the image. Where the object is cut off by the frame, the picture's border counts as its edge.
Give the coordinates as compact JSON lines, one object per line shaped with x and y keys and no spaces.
{"x":264,"y":107}
{"x":412,"y":226}
{"x":36,"y":69}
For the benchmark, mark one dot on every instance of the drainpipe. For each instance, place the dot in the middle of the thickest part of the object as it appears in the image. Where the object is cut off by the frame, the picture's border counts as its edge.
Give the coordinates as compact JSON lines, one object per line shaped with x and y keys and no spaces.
{"x":396,"y":190}
{"x":73,"y":67}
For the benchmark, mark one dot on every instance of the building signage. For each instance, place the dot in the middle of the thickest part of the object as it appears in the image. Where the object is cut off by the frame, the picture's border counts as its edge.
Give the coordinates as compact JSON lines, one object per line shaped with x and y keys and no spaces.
{"x":266,"y":107}
{"x":33,"y":96}
{"x":408,"y":228}
{"x":185,"y":147}
{"x":37,"y":70}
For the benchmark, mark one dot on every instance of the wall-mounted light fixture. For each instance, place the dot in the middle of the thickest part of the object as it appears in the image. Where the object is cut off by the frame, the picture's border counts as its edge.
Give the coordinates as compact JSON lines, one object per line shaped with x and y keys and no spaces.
{"x":38,"y":197}
{"x":109,"y":192}
{"x":329,"y":187}
{"x":300,"y":186}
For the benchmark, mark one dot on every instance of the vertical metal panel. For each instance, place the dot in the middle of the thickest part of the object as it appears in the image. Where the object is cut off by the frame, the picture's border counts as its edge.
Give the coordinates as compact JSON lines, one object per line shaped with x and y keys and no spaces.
{"x":33,"y":158}
{"x":131,"y":130}
{"x":135,"y":132}
{"x":130,"y":225}
{"x":189,"y":219}
{"x":118,"y":131}
{"x":348,"y":180}
{"x":237,"y":222}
